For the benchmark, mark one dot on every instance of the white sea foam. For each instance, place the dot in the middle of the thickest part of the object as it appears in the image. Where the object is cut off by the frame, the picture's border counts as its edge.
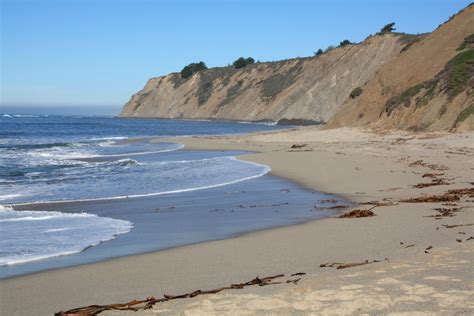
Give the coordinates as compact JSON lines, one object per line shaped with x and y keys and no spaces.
{"x":34,"y":235}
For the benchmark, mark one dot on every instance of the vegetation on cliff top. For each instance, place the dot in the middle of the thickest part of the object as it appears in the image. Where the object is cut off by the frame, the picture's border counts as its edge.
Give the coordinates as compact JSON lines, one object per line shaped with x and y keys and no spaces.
{"x":242,"y":62}
{"x":192,"y":68}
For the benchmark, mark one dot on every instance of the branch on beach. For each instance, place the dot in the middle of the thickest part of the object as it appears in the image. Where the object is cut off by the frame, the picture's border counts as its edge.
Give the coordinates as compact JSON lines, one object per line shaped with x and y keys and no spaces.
{"x":455,"y":226}
{"x":149,"y":302}
{"x":340,"y":265}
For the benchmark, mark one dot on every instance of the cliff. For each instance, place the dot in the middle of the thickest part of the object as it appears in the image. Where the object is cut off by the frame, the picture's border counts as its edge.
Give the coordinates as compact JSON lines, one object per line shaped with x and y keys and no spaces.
{"x":428,"y":86}
{"x":303,"y":88}
{"x":403,"y":82}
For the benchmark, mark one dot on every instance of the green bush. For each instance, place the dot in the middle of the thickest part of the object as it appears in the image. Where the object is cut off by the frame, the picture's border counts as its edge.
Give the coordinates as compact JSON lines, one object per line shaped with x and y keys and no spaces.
{"x":242,"y":62}
{"x":356,"y":92}
{"x":461,"y":70}
{"x":192,"y":68}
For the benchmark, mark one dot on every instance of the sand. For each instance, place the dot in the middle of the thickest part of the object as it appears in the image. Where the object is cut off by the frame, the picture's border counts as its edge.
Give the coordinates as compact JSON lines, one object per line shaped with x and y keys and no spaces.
{"x":357,"y":164}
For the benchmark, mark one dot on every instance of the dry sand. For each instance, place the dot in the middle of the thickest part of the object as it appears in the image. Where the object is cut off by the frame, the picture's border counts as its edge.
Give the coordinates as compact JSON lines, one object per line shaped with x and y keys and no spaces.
{"x":359,"y":165}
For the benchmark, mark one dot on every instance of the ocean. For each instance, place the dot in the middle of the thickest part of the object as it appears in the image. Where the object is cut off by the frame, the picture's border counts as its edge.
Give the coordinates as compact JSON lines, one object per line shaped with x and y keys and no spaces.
{"x":77,"y":189}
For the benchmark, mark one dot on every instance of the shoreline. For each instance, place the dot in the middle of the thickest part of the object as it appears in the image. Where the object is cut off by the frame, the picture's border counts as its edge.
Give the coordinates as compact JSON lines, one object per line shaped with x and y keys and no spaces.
{"x":357,"y":165}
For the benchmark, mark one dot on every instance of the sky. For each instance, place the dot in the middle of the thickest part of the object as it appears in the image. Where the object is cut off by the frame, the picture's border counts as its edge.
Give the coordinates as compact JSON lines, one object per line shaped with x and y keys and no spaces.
{"x":98,"y":53}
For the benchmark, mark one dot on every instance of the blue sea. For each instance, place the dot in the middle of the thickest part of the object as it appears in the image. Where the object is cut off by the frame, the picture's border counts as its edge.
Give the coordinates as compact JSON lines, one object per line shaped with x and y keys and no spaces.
{"x":77,"y":189}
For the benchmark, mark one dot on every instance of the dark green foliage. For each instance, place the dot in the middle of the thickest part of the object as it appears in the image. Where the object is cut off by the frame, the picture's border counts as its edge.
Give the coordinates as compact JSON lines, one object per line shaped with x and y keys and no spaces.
{"x":403,"y":98}
{"x":430,"y":87}
{"x":356,"y":92}
{"x":460,"y":72}
{"x":318,"y":52}
{"x":388,"y":28}
{"x":192,"y":68}
{"x":242,"y":62}
{"x":468,"y":42}
{"x":464,"y":114}
{"x":344,"y":43}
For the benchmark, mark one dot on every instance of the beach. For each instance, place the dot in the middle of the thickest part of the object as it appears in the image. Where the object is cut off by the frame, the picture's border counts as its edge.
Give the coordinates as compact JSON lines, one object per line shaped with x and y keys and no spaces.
{"x":422,"y":266}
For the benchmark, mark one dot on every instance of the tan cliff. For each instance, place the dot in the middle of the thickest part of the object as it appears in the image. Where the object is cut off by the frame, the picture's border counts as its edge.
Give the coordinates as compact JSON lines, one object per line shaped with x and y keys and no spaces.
{"x":303,"y":88}
{"x":319,"y":88}
{"x":421,"y":78}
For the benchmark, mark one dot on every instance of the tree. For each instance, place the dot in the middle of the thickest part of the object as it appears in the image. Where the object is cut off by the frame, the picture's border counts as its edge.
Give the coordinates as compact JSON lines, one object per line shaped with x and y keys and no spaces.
{"x":192,"y":68}
{"x":388,"y":28}
{"x":319,"y":52}
{"x":344,"y":43}
{"x":242,"y":62}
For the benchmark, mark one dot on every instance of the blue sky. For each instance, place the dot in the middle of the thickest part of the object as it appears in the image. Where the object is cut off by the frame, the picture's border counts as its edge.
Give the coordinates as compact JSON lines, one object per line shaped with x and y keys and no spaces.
{"x":82,"y":52}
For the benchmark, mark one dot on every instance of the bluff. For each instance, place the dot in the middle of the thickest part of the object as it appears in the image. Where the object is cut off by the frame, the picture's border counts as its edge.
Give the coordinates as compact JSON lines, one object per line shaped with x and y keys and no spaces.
{"x":389,"y":80}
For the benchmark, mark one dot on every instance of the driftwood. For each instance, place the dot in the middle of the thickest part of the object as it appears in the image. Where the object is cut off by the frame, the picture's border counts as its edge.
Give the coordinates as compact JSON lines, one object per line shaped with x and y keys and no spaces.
{"x":455,"y":226}
{"x":428,"y":248}
{"x":412,"y":245}
{"x":298,"y":146}
{"x":149,"y":302}
{"x":340,"y":265}
{"x":359,"y":213}
{"x":336,"y":207}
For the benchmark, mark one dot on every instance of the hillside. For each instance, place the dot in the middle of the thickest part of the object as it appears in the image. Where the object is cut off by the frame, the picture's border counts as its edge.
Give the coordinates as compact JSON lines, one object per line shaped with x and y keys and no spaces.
{"x":428,"y":86}
{"x":403,"y":82}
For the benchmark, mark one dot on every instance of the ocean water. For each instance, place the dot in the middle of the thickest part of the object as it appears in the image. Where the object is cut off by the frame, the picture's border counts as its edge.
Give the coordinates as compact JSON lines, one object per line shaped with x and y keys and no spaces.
{"x":77,"y":190}
{"x":62,"y":158}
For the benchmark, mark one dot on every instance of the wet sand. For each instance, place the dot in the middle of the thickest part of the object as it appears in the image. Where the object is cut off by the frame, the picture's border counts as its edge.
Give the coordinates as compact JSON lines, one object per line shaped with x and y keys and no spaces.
{"x":356,"y":164}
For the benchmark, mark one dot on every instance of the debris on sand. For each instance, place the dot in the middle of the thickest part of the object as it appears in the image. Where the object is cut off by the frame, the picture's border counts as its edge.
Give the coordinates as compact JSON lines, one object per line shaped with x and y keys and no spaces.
{"x":149,"y":302}
{"x":339,"y":265}
{"x":294,"y":146}
{"x":359,"y":213}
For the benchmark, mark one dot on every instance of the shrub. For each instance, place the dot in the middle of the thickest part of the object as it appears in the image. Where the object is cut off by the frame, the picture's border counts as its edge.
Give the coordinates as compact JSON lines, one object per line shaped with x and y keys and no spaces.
{"x":388,"y":28}
{"x":356,"y":92}
{"x":242,"y":62}
{"x":403,"y":98}
{"x":461,"y":70}
{"x":344,"y":43}
{"x":318,"y":52}
{"x":192,"y":68}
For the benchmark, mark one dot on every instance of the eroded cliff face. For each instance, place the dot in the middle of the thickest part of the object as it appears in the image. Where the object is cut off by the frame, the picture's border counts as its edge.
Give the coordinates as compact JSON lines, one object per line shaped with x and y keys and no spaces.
{"x":304,"y":88}
{"x":406,"y":82}
{"x":414,"y":90}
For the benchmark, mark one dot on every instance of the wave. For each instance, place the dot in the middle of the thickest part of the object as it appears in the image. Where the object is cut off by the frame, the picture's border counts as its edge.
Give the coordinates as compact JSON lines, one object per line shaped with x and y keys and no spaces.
{"x":36,"y":146}
{"x":178,"y":147}
{"x":265,"y":169}
{"x":36,"y":233}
